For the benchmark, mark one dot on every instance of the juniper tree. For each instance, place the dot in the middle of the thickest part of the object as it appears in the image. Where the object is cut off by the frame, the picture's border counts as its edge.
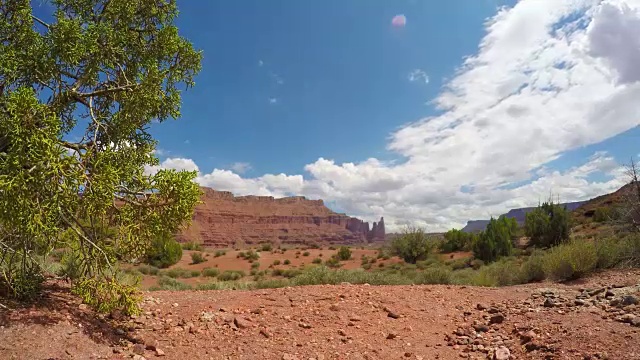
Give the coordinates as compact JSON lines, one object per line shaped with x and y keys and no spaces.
{"x":78,"y":94}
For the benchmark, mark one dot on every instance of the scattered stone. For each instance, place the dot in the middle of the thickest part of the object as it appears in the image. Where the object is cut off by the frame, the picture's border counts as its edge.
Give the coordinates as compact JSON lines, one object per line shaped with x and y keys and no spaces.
{"x":579,"y":302}
{"x":265,"y":333}
{"x":289,"y":357}
{"x":629,"y":300}
{"x":493,"y":310}
{"x":502,"y":353}
{"x":159,"y":352}
{"x":549,"y":302}
{"x":138,"y":349}
{"x":596,"y":291}
{"x":627,"y":318}
{"x":305,"y":325}
{"x":481,"y":307}
{"x":481,"y":328}
{"x":392,"y":314}
{"x":241,"y":323}
{"x":496,"y":319}
{"x":342,"y":332}
{"x":139,"y":357}
{"x":334,"y":307}
{"x":207,"y":316}
{"x":392,"y":336}
{"x":527,"y":337}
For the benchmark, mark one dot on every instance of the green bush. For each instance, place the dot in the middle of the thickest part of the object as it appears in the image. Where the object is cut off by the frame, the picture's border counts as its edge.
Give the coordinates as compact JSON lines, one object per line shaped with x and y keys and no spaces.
{"x":219,"y":253}
{"x":547,"y":225}
{"x":276,"y":262}
{"x":164,"y":252}
{"x":266,"y":247}
{"x":306,"y":253}
{"x":457,"y":240}
{"x":231,"y":275}
{"x":210,"y":272}
{"x":197,"y":258}
{"x":317,"y":261}
{"x":496,"y":240}
{"x":192,"y":245}
{"x":255,"y":265}
{"x":412,"y":245}
{"x":251,"y":255}
{"x":344,"y":253}
{"x":167,"y":283}
{"x":148,"y":270}
{"x":366,"y":266}
{"x":287,"y":262}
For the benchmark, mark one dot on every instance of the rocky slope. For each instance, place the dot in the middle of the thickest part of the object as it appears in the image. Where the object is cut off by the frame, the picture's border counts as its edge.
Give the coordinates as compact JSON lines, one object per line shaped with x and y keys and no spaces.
{"x":224,"y":220}
{"x":596,"y":319}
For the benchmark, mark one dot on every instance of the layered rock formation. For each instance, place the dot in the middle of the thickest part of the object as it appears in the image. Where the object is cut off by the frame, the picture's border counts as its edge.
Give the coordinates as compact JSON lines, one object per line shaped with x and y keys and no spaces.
{"x":224,"y":220}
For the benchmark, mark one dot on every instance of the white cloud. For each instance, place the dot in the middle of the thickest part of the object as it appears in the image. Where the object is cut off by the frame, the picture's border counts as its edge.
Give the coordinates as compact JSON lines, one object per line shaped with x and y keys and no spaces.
{"x":260,"y":63}
{"x":418,"y":75}
{"x":549,"y":76}
{"x":273,"y":101}
{"x":240,"y":167}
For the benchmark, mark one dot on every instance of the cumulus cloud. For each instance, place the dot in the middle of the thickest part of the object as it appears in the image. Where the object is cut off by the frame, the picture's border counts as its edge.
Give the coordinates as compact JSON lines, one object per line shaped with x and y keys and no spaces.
{"x":240,"y":167}
{"x":418,"y":75}
{"x":549,"y":76}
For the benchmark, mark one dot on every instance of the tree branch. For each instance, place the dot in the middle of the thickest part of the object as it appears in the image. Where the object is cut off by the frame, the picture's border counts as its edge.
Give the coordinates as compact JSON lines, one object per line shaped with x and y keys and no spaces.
{"x":128,"y":87}
{"x":40,"y":21}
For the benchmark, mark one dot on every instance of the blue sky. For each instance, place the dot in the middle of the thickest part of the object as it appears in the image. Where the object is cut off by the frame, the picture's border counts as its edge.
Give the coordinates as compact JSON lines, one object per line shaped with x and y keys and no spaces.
{"x":343,"y":72}
{"x":474,"y":107}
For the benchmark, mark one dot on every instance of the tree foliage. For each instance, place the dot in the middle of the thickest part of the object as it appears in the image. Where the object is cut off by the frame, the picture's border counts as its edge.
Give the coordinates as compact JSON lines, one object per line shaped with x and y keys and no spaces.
{"x":457,"y":240}
{"x":77,"y":98}
{"x":496,"y":240}
{"x":344,"y":253}
{"x":413,"y":245}
{"x":547,"y":225}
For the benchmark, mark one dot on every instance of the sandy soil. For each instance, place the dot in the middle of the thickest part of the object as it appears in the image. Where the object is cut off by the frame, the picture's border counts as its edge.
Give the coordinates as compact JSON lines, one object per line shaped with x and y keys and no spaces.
{"x":535,"y":321}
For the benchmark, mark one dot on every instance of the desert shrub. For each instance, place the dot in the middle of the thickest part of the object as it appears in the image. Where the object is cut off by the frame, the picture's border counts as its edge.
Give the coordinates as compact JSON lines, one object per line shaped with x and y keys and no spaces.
{"x":495,"y":241}
{"x":333,"y":262}
{"x":148,"y":270}
{"x":240,"y":255}
{"x":164,"y":251}
{"x":344,"y":253}
{"x":458,"y":264}
{"x":219,"y":253}
{"x":456,"y":240}
{"x":210,"y":272}
{"x":251,"y":255}
{"x":381,"y":265}
{"x":108,"y":295}
{"x":547,"y":225}
{"x":193,"y":246}
{"x":473,"y":277}
{"x":366,"y":266}
{"x":317,"y":261}
{"x":197,"y":258}
{"x":319,"y":275}
{"x":255,"y":265}
{"x":272,"y":284}
{"x":571,"y":261}
{"x":505,"y":272}
{"x":277,"y":272}
{"x":180,"y":273}
{"x":287,"y":262}
{"x":70,"y":265}
{"x":533,"y":269}
{"x":412,"y":245}
{"x":167,"y":283}
{"x":332,"y":248}
{"x":434,"y":275}
{"x":306,"y":253}
{"x":266,"y":247}
{"x":276,"y":262}
{"x":602,"y":214}
{"x":231,"y":275}
{"x":476,"y":264}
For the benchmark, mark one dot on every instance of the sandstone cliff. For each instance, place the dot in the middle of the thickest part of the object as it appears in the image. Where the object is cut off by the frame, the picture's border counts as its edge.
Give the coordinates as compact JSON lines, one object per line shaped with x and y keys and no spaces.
{"x":224,"y":220}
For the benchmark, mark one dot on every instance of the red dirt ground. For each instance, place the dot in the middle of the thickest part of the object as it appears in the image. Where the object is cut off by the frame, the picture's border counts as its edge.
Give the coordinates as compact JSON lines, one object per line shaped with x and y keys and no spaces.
{"x":338,"y":322}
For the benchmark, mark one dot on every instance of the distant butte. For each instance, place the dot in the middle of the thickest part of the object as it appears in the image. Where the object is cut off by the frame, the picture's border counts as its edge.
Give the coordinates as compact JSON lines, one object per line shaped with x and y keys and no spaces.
{"x":225,"y":220}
